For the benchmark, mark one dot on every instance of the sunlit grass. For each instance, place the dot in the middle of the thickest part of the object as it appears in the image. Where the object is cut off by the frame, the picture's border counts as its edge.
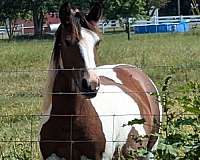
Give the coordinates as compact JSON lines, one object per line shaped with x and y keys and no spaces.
{"x":151,"y":49}
{"x":23,"y":73}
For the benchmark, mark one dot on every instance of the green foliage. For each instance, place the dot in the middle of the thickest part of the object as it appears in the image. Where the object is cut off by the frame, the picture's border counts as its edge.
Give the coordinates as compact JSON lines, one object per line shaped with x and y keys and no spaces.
{"x":19,"y":152}
{"x":171,"y":8}
{"x":38,"y":9}
{"x":134,"y":154}
{"x":151,"y":5}
{"x":9,"y":9}
{"x":142,"y":150}
{"x":157,"y":3}
{"x":180,"y":138}
{"x":135,"y":121}
{"x":180,"y":130}
{"x":124,"y":8}
{"x":9,"y":12}
{"x":191,"y":103}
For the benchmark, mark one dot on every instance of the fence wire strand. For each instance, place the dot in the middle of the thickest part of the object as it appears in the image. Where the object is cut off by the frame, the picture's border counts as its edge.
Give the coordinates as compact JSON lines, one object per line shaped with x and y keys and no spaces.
{"x":10,"y":122}
{"x":34,"y":141}
{"x":180,"y":66}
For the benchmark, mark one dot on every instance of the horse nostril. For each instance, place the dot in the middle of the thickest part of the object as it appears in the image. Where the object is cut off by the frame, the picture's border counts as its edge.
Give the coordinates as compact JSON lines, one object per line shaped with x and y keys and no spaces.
{"x":88,"y":89}
{"x":85,"y":84}
{"x":94,"y":86}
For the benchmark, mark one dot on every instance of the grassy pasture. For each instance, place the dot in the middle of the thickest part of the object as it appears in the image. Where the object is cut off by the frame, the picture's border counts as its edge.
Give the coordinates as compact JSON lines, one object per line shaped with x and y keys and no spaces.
{"x":23,"y":65}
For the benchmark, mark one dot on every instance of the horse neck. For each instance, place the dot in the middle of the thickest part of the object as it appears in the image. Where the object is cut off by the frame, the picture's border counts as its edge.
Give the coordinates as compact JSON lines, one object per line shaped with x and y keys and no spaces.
{"x":66,"y":101}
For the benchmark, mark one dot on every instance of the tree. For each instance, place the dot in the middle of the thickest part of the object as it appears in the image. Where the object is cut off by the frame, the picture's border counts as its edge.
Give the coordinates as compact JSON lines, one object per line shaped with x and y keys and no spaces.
{"x":171,"y":8}
{"x":40,"y":7}
{"x":124,"y":8}
{"x":152,"y":5}
{"x":9,"y":12}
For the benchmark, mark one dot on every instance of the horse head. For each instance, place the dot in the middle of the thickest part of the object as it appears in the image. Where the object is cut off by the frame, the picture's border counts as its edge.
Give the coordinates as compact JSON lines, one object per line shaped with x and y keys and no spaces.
{"x":75,"y":46}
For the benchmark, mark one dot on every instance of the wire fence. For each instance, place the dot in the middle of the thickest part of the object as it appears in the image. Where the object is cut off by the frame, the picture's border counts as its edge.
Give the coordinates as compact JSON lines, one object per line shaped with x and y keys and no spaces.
{"x":21,"y":93}
{"x":19,"y":138}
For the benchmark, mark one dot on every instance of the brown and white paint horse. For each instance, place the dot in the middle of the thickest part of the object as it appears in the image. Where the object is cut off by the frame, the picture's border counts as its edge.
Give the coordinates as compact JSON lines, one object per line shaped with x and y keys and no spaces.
{"x":86,"y":107}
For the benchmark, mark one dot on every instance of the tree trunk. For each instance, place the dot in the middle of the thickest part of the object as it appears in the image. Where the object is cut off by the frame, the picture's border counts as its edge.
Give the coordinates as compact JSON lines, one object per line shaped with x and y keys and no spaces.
{"x":38,"y":21}
{"x":9,"y":27}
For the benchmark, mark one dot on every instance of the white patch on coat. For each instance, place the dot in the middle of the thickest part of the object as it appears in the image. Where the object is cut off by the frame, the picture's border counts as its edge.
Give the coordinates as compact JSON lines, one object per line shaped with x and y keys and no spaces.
{"x":54,"y":157}
{"x":115,"y":110}
{"x":87,"y":44}
{"x":111,"y":105}
{"x":107,"y":71}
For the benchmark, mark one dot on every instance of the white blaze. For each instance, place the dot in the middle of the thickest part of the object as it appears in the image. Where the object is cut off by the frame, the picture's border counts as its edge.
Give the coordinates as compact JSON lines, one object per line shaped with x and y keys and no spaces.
{"x":87,"y":44}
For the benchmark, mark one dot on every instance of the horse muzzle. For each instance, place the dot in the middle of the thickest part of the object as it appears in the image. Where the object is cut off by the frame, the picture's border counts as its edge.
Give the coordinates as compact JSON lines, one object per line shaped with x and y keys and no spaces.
{"x":89,"y":89}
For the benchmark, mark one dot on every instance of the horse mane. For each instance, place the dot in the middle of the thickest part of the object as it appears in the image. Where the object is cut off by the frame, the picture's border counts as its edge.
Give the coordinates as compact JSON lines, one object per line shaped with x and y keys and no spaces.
{"x":74,"y":24}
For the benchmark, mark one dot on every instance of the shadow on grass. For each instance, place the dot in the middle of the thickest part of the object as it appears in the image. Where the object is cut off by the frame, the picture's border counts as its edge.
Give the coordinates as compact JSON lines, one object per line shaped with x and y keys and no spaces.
{"x":34,"y":37}
{"x":50,"y":36}
{"x":114,"y":32}
{"x":30,"y":37}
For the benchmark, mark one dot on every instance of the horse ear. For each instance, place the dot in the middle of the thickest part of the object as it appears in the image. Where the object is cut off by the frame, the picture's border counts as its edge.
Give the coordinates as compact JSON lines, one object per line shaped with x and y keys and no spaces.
{"x":95,"y":14}
{"x":65,"y":13}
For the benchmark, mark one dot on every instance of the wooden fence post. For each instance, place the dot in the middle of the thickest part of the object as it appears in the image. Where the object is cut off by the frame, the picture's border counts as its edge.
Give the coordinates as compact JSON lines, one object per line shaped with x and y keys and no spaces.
{"x":128,"y":28}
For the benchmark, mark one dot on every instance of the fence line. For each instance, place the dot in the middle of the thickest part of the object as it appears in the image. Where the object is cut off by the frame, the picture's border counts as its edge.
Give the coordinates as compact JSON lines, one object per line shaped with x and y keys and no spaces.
{"x":108,"y":115}
{"x":81,"y":93}
{"x":113,"y":24}
{"x":37,"y":92}
{"x":192,"y":19}
{"x":32,"y":136}
{"x":180,"y":66}
{"x":10,"y":123}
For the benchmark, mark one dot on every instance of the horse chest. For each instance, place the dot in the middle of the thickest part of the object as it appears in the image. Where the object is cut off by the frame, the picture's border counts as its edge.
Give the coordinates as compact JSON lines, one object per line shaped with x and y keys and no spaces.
{"x":79,"y":128}
{"x":88,"y":122}
{"x":75,"y":114}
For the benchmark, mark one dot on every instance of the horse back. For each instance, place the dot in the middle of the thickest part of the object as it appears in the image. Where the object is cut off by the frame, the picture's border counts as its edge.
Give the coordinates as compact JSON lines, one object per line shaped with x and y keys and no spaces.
{"x":142,"y":89}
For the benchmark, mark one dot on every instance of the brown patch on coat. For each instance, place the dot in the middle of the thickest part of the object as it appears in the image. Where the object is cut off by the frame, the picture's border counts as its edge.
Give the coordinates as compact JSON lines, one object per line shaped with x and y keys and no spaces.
{"x":135,"y":80}
{"x":137,"y":85}
{"x":73,"y":129}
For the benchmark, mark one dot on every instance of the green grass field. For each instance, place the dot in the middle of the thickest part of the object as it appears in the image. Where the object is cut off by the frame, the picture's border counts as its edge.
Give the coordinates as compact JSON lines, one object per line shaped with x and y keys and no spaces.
{"x":23,"y":71}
